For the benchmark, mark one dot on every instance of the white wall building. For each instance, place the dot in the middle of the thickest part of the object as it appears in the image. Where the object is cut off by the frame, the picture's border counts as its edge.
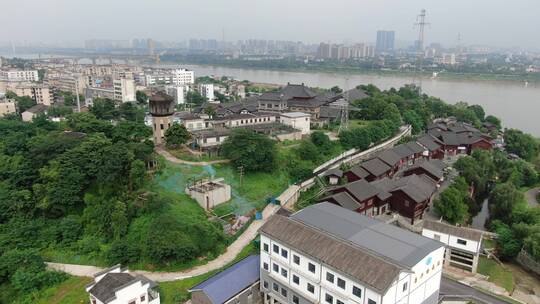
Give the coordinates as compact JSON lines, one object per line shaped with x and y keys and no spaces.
{"x":39,"y":92}
{"x":207,"y":90}
{"x":19,"y":75}
{"x":328,"y":254}
{"x":178,"y":92}
{"x":7,"y":106}
{"x":463,"y":245}
{"x":182,"y":77}
{"x":117,"y":286}
{"x":124,"y":89}
{"x":298,"y":120}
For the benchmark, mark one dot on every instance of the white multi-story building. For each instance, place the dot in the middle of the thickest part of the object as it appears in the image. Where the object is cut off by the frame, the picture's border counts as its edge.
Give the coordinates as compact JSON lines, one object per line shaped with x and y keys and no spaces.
{"x":19,"y":75}
{"x":182,"y":77}
{"x":178,"y":92}
{"x":40,"y":93}
{"x":117,"y":286}
{"x":124,"y":89}
{"x":328,"y":254}
{"x":207,"y":90}
{"x":463,"y":245}
{"x":7,"y":106}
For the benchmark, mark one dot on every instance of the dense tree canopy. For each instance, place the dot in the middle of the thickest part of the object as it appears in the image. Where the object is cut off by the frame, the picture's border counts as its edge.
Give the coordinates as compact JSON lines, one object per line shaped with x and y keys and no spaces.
{"x":522,"y":144}
{"x":176,"y":135}
{"x":250,"y":150}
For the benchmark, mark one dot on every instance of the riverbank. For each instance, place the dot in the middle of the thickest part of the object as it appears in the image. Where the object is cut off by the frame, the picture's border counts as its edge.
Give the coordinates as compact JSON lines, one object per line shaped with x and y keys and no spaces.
{"x":532,"y":79}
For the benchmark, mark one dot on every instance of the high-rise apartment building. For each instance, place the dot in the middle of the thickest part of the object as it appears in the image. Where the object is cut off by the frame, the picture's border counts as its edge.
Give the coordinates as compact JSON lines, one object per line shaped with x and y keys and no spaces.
{"x":19,"y":75}
{"x":385,"y":41}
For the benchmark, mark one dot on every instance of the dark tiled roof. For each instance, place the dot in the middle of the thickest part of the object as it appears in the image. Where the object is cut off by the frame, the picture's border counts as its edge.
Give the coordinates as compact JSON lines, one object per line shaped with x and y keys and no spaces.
{"x":390,"y":157}
{"x":344,"y":200}
{"x":413,"y":146}
{"x":403,"y":151}
{"x":376,"y":166}
{"x":429,"y":142}
{"x":228,"y":283}
{"x":329,"y":112}
{"x":297,"y":91}
{"x":433,"y":167}
{"x":361,"y":190}
{"x":104,"y":290}
{"x":335,"y":172}
{"x":466,"y":233}
{"x":359,"y":171}
{"x":355,"y":94}
{"x":39,"y":108}
{"x":417,"y":187}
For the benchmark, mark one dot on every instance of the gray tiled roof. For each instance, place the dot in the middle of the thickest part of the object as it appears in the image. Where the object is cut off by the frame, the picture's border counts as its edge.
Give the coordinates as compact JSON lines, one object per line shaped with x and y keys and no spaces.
{"x":228,"y":283}
{"x":429,"y":142}
{"x":466,"y":233}
{"x":415,"y":147}
{"x":417,"y":187}
{"x":359,"y":171}
{"x":390,"y":157}
{"x":434,"y":167}
{"x":332,"y":250}
{"x":361,"y":190}
{"x":375,"y":166}
{"x":403,"y":151}
{"x":344,"y":200}
{"x":104,"y":290}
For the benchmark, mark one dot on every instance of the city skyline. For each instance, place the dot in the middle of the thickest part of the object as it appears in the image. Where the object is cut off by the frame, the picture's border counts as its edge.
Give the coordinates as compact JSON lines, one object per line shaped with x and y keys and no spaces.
{"x":60,"y":21}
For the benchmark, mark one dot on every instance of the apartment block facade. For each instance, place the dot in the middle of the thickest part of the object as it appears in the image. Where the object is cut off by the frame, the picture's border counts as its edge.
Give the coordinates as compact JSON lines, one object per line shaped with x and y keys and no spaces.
{"x":327,"y":254}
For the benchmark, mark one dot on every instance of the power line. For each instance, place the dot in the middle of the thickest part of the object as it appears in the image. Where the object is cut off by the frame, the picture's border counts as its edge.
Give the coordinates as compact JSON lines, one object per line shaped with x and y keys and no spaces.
{"x":421,"y":24}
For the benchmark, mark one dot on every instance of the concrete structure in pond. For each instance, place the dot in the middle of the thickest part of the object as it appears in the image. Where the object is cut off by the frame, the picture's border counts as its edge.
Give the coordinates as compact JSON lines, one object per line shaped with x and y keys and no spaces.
{"x":209,"y":193}
{"x":162,"y":110}
{"x":463,"y":245}
{"x":117,"y":286}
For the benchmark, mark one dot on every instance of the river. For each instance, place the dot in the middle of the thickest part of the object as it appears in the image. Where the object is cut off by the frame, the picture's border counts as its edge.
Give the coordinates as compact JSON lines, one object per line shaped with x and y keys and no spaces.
{"x":515,"y":103}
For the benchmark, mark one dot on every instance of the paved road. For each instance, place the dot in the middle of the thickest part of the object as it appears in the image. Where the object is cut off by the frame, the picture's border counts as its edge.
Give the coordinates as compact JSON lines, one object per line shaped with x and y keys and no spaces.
{"x":453,"y":288}
{"x":530,"y":196}
{"x":230,"y":254}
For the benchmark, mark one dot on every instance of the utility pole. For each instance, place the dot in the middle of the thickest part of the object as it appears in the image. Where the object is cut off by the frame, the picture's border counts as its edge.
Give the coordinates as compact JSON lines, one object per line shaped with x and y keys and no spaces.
{"x":344,"y":113}
{"x":421,"y":24}
{"x":241,"y":173}
{"x":77,"y":93}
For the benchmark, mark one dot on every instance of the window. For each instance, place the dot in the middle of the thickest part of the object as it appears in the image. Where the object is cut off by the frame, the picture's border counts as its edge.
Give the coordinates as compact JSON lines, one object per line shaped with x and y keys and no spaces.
{"x":341,"y":283}
{"x":284,"y":253}
{"x":405,"y":286}
{"x":415,"y":280}
{"x":265,"y":247}
{"x":265,"y":266}
{"x":275,"y":267}
{"x":132,"y":302}
{"x":330,"y":277}
{"x":295,"y":279}
{"x":461,"y":242}
{"x":357,"y":292}
{"x":296,"y":259}
{"x":339,"y":302}
{"x":310,"y":288}
{"x":295,"y":299}
{"x":437,"y":237}
{"x":265,"y":284}
{"x":276,"y":248}
{"x":311,"y":268}
{"x":284,"y":272}
{"x":161,"y":126}
{"x":275,"y":287}
{"x":328,"y":299}
{"x":370,"y":301}
{"x":284,"y":292}
{"x":406,"y":205}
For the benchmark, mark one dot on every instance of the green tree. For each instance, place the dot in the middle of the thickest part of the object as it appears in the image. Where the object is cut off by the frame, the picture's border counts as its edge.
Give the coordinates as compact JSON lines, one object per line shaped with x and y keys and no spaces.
{"x":177,"y":135}
{"x":104,"y":108}
{"x":141,"y":97}
{"x":336,"y":90}
{"x":502,"y":200}
{"x":494,"y":120}
{"x":321,"y":141}
{"x":412,"y":118}
{"x":250,"y":150}
{"x":478,"y":111}
{"x":24,"y":103}
{"x":521,"y":144}
{"x":451,"y":205}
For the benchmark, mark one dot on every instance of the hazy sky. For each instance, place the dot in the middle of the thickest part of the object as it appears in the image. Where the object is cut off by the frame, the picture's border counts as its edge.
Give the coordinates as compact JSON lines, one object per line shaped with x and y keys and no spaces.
{"x":490,"y":22}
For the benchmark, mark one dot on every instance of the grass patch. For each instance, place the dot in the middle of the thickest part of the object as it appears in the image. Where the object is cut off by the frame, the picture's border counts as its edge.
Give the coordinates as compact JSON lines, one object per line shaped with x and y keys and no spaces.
{"x":488,"y":244}
{"x":496,"y":273}
{"x":71,"y":291}
{"x":177,"y":291}
{"x":358,"y":123}
{"x":183,"y":154}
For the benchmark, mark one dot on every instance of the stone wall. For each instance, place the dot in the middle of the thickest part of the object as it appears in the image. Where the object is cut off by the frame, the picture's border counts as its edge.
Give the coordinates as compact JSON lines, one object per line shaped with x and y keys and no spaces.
{"x":527,"y":261}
